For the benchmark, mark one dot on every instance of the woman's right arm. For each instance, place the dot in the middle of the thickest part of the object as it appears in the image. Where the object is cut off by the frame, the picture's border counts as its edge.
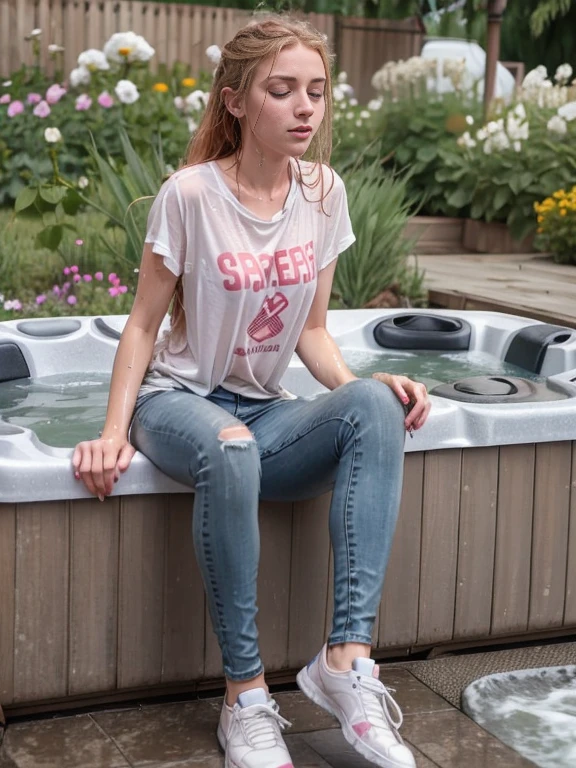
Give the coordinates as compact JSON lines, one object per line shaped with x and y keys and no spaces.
{"x":98,"y":462}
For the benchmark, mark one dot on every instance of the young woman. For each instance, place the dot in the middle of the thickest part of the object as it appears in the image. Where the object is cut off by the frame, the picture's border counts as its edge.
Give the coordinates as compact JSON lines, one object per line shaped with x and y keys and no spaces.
{"x":245,"y":238}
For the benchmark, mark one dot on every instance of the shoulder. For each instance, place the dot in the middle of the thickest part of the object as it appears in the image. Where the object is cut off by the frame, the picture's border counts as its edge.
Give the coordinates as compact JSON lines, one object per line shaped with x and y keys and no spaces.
{"x":187,"y":183}
{"x":322,"y":181}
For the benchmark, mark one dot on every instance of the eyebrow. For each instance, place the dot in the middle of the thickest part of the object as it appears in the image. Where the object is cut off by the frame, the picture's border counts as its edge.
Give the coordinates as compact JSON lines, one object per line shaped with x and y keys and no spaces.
{"x":289,"y":79}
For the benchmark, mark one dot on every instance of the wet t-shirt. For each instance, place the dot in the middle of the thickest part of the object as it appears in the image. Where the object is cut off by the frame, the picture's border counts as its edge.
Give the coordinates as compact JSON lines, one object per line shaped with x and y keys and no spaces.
{"x":248,"y":283}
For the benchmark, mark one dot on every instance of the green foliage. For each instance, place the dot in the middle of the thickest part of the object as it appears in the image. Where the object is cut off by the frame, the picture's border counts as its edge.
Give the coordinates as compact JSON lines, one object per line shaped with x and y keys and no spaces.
{"x":379,"y":210}
{"x":495,"y":182}
{"x":546,"y":12}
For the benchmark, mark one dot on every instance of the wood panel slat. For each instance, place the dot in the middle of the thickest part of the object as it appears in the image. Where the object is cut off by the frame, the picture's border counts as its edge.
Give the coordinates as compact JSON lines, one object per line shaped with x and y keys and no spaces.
{"x":309,"y":578}
{"x":513,"y":539}
{"x":141,"y":590}
{"x":570,"y":604}
{"x":550,"y":534}
{"x":7,"y":600}
{"x":440,"y":513}
{"x":477,"y":533}
{"x":93,"y":595}
{"x":41,"y":623}
{"x":274,"y":583}
{"x":183,"y":641}
{"x":399,"y":605}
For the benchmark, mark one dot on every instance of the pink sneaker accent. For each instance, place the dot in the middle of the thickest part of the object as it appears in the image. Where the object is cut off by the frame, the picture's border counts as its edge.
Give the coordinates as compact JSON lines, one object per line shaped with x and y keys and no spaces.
{"x":361,"y":728}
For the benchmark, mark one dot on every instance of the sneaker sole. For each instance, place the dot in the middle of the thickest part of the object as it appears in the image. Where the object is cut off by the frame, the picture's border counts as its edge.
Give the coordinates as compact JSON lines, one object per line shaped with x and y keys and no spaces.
{"x":309,"y":687}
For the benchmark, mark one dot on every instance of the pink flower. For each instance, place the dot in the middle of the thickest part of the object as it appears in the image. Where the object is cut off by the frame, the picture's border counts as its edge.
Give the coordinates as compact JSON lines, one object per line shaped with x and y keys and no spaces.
{"x":56,"y":290}
{"x":74,"y":269}
{"x":79,"y":242}
{"x":113,"y":291}
{"x":77,"y":278}
{"x":83,"y":102}
{"x":55,"y":93}
{"x":66,"y":270}
{"x":65,"y":287}
{"x":33,"y":98}
{"x":40,"y":299}
{"x":123,"y":288}
{"x":87,"y":278}
{"x":116,"y":282}
{"x":16,"y":108}
{"x":71,"y":299}
{"x":112,"y":277}
{"x":5,"y":98}
{"x":98,"y":275}
{"x":42,"y":109}
{"x":105,"y":100}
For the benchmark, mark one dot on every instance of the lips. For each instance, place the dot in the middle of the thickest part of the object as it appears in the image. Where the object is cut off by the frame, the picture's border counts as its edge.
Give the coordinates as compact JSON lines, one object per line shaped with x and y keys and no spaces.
{"x":303,"y":131}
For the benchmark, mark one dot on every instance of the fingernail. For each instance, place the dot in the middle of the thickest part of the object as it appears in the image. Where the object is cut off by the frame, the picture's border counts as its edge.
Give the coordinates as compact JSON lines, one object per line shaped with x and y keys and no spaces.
{"x":77,"y":475}
{"x":406,"y":400}
{"x":101,"y":497}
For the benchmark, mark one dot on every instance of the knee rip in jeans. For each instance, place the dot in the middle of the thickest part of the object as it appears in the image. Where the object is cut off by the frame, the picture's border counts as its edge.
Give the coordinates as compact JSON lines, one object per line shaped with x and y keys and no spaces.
{"x":235,"y":437}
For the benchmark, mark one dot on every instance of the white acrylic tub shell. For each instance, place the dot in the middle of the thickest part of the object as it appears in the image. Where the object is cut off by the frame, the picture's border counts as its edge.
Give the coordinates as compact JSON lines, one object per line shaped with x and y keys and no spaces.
{"x":33,"y":471}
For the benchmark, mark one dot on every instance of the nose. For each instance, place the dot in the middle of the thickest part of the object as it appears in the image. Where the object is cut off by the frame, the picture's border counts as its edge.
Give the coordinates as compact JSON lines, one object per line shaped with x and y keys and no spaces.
{"x":305,"y":106}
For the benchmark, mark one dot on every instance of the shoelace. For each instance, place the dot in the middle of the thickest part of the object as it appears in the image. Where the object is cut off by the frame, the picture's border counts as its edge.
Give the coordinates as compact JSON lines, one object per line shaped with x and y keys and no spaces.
{"x":377,"y":699}
{"x":261,"y":724}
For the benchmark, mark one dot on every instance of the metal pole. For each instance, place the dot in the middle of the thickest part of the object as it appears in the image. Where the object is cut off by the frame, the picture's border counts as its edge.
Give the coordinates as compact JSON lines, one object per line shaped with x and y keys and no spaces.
{"x":496,"y":10}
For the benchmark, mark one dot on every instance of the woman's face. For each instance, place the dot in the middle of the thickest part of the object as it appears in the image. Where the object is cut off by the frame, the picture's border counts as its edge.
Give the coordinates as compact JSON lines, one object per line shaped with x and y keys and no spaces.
{"x":285,"y":104}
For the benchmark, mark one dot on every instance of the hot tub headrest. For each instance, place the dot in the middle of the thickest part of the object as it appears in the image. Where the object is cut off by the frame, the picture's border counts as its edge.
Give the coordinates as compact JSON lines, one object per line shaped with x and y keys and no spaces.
{"x":501,"y":389}
{"x":528,"y":346}
{"x":423,"y":331}
{"x":12,"y":362}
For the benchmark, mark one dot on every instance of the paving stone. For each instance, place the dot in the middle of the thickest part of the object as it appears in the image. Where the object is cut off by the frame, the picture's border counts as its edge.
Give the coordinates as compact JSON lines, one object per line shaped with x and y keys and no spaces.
{"x":64,"y":742}
{"x":303,"y":713}
{"x":167,"y":733}
{"x":412,"y":696}
{"x":452,"y":740}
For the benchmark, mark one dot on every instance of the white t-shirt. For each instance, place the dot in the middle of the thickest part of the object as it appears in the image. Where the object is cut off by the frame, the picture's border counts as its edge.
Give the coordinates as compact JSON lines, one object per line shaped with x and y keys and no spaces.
{"x":248,"y":283}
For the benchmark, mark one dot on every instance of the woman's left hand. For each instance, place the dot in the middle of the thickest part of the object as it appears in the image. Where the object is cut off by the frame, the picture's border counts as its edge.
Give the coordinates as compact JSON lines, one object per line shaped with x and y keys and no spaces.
{"x":408,"y":392}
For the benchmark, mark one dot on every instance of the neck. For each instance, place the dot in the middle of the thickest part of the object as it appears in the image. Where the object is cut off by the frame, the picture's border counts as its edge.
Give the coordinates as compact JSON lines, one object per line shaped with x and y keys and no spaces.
{"x":264,"y":177}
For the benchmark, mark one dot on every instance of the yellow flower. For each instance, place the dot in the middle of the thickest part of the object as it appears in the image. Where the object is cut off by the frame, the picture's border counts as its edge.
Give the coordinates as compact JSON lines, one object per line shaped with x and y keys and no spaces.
{"x":124,"y":51}
{"x":539,"y":230}
{"x":189,"y":82}
{"x":559,"y":194}
{"x":563,"y":212}
{"x":160,"y":87}
{"x":540,"y":219}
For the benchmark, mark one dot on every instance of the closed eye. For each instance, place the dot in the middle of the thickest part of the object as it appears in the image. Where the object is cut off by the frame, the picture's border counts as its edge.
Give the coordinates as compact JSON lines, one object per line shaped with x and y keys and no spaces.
{"x":277,"y":95}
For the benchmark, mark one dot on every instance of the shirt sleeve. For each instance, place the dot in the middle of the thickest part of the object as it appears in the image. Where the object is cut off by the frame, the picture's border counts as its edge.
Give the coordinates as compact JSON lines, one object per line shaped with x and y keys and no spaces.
{"x":341,"y":235}
{"x":166,"y":226}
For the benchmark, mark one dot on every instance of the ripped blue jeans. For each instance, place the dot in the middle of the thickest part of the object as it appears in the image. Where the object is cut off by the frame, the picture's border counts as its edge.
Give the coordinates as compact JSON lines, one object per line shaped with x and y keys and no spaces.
{"x":350,"y":440}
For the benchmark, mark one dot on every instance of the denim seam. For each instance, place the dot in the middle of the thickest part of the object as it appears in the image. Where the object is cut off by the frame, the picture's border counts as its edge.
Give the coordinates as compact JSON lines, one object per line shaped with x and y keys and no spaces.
{"x":311,"y":428}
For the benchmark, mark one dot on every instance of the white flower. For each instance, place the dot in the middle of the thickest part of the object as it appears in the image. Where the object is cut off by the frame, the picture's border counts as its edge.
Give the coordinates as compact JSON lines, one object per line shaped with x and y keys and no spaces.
{"x":126,"y":91}
{"x":350,"y":115}
{"x":466,"y":140}
{"x":79,"y":76}
{"x":563,"y":73}
{"x":515,"y":129}
{"x":495,"y":126}
{"x":192,"y":125}
{"x":52,"y":135}
{"x":35,"y":33}
{"x":179,"y":102}
{"x":520,"y":111}
{"x":127,"y":46}
{"x":557,"y":125}
{"x":83,"y":182}
{"x":535,"y":77}
{"x":196,"y":100}
{"x":93,"y":59}
{"x":496,"y":142}
{"x":517,"y":146}
{"x":365,"y":114}
{"x":374,"y":104}
{"x":53,"y":48}
{"x":353,"y":102}
{"x":214,"y":54}
{"x":482,"y":134}
{"x":358,"y":123}
{"x":568,"y":111}
{"x":7,"y":83}
{"x":469,"y":120}
{"x":342,"y":77}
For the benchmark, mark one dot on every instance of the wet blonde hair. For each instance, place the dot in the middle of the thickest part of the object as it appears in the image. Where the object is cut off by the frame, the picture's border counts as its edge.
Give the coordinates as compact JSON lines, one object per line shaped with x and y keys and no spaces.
{"x":219,"y":134}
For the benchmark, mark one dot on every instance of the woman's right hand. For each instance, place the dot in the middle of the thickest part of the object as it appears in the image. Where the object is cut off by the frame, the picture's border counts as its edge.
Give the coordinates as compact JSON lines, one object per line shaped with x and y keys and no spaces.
{"x":98,"y":463}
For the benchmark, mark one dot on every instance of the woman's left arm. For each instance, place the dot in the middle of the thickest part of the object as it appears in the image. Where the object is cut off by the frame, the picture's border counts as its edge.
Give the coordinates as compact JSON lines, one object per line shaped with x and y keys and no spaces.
{"x":321,"y":355}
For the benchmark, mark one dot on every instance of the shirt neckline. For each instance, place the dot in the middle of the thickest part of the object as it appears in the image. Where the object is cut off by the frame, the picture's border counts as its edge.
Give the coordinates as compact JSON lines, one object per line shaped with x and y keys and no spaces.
{"x":227,"y":193}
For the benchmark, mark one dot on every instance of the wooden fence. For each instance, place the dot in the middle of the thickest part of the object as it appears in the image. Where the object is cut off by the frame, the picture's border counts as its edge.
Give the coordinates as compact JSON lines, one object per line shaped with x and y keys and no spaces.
{"x":183,"y":32}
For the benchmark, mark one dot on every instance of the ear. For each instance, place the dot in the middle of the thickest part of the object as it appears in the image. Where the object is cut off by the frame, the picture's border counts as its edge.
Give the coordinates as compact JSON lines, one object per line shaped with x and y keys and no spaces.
{"x":233,"y":101}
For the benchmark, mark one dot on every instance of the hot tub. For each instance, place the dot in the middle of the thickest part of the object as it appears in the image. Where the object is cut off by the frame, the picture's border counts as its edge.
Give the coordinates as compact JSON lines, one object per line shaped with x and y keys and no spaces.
{"x":107,"y":599}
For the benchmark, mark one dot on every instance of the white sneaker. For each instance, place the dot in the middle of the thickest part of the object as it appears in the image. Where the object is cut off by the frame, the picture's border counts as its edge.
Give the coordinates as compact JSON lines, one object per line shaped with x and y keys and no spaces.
{"x":362,"y":704}
{"x":250,"y":732}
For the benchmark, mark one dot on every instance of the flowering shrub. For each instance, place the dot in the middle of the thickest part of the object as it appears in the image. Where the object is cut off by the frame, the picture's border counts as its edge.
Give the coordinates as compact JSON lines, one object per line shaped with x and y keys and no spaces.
{"x":76,"y":294}
{"x":502,"y":168}
{"x":107,"y":90}
{"x":556,"y":216}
